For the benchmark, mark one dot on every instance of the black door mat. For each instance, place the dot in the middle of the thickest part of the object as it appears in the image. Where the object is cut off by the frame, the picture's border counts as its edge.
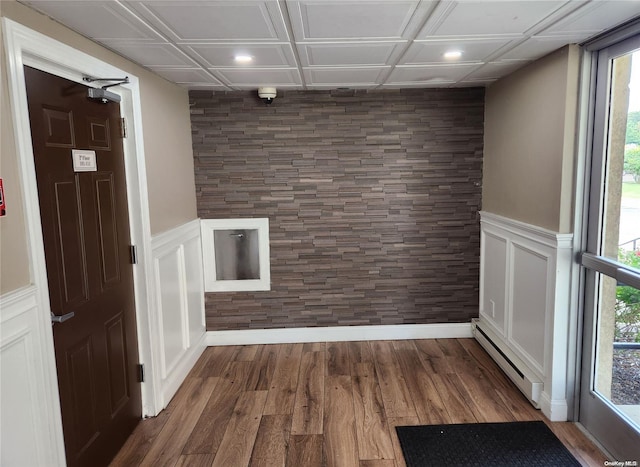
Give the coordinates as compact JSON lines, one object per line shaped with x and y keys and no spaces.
{"x":514,"y":444}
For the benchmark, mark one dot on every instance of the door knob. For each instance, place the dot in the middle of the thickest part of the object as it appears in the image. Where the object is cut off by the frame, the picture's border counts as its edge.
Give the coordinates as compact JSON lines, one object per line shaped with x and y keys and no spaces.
{"x":61,"y":318}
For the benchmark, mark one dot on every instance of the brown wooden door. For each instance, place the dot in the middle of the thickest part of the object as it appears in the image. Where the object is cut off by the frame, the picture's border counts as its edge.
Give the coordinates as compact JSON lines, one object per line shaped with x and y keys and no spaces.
{"x":85,"y":225}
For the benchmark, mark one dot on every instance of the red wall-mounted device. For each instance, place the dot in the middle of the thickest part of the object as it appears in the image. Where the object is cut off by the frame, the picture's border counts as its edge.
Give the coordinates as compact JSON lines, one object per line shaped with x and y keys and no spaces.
{"x":3,"y":210}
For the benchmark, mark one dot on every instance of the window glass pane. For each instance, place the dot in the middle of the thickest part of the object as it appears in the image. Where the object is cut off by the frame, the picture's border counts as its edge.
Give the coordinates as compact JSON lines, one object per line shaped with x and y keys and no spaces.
{"x":617,"y":363}
{"x":621,"y":228}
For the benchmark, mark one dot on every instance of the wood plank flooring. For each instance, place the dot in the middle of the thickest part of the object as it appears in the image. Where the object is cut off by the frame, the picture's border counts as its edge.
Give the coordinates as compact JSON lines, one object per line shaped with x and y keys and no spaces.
{"x":329,"y":404}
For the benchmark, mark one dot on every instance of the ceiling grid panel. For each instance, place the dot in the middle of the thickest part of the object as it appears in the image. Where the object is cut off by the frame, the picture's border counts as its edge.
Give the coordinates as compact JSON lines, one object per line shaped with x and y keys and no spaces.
{"x":286,"y":17}
{"x":326,"y":44}
{"x":188,"y":73}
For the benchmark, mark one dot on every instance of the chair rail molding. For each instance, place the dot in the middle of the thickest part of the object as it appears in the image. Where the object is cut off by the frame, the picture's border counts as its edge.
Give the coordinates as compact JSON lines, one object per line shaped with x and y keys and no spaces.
{"x":525,"y":300}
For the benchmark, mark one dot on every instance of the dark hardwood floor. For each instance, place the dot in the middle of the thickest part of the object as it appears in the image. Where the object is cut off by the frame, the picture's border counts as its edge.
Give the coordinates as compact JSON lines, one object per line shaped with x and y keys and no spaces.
{"x":333,"y":404}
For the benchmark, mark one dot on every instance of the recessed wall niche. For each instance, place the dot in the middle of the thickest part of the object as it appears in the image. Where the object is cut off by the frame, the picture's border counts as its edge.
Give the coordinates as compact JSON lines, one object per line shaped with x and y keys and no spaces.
{"x":236,"y":254}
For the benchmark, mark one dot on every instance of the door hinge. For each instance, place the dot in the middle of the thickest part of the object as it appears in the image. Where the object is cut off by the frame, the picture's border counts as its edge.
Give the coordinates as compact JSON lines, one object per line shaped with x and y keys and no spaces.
{"x":123,"y":128}
{"x":133,"y":254}
{"x":140,"y":371}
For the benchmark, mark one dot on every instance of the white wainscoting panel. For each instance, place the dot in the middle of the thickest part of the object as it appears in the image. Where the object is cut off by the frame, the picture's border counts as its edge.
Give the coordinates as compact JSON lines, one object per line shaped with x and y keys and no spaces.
{"x":529,"y":289}
{"x":525,"y":279}
{"x":179,"y":304}
{"x":27,"y":399}
{"x":492,"y":281}
{"x":170,"y":281}
{"x":195,"y":294}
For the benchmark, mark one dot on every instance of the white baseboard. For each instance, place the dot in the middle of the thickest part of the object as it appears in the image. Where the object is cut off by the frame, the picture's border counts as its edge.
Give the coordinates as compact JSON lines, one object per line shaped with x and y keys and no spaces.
{"x":339,"y":333}
{"x":556,"y":411}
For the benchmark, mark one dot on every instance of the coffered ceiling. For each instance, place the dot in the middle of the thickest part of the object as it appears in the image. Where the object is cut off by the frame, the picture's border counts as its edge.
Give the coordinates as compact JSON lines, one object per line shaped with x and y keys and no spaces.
{"x":322,"y":44}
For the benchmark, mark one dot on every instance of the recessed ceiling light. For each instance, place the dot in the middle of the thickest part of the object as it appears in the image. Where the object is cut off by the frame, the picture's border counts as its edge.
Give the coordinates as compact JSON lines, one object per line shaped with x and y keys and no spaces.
{"x":452,"y":55}
{"x":241,"y":58}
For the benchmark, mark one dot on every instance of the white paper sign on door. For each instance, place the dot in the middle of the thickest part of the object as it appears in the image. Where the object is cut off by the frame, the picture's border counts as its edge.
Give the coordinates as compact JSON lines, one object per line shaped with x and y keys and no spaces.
{"x":84,"y":160}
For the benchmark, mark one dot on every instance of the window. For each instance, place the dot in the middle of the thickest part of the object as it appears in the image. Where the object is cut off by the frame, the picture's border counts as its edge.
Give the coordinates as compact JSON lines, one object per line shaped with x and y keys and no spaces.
{"x":236,"y":254}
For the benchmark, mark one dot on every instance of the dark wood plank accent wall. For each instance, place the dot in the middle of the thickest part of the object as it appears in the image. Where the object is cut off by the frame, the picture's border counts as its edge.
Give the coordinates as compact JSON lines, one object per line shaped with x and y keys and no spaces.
{"x":372,"y":199}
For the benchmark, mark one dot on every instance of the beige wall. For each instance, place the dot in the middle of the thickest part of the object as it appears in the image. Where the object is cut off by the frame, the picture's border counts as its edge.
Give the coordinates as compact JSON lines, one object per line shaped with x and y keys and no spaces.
{"x":167,"y":142}
{"x":530,"y":127}
{"x":169,"y":154}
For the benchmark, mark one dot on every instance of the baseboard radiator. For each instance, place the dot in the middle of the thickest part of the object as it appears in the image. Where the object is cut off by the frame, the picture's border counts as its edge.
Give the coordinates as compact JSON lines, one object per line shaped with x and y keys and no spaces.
{"x":530,"y":384}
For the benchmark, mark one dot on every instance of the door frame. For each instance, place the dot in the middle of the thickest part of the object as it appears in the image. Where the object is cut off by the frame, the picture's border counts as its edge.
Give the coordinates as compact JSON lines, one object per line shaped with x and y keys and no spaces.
{"x":600,"y":52}
{"x":24,"y":46}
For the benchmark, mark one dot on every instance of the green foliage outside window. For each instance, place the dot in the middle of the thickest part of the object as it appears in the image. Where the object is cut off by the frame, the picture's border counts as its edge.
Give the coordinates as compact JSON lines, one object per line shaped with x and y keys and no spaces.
{"x":628,"y":303}
{"x":632,"y":163}
{"x":633,"y":128}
